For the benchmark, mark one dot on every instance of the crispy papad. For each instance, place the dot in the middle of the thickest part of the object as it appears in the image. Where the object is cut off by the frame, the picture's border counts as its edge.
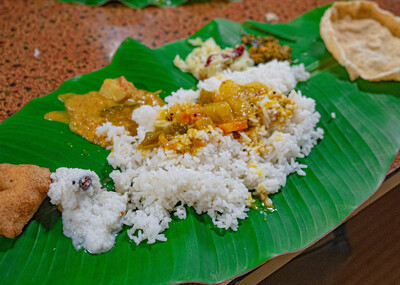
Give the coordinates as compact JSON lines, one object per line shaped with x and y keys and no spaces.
{"x":364,"y":39}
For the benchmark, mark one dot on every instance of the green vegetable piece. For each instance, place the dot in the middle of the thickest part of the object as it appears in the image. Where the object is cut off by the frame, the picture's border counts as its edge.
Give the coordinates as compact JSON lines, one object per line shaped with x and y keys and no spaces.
{"x":179,"y":128}
{"x":150,"y":138}
{"x":113,"y":110}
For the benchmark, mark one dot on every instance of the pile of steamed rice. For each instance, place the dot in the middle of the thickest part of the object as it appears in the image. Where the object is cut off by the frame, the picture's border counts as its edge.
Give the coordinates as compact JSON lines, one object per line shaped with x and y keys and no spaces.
{"x":216,"y":180}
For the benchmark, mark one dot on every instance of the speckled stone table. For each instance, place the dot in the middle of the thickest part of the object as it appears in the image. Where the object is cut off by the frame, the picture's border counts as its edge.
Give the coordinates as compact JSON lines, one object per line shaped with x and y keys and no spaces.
{"x":44,"y":42}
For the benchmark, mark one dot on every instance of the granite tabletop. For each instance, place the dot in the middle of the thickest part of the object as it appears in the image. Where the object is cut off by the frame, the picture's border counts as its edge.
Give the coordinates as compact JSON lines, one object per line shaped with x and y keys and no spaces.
{"x":44,"y":42}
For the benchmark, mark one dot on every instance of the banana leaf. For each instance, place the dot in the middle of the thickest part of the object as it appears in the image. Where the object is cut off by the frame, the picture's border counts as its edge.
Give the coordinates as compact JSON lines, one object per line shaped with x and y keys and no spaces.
{"x":131,"y":3}
{"x":344,"y":169}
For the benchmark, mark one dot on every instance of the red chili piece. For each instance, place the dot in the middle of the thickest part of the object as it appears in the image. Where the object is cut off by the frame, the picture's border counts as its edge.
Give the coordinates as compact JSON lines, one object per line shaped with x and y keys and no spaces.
{"x":238,"y":51}
{"x":208,"y":60}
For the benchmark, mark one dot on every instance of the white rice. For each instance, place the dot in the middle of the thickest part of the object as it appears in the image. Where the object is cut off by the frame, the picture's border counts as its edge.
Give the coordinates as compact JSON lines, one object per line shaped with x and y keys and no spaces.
{"x":91,"y":217}
{"x":274,"y":74}
{"x":215,"y":181}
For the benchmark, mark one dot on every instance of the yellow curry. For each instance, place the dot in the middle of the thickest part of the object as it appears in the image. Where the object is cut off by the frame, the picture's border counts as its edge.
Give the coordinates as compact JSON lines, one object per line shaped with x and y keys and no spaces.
{"x":114,"y":103}
{"x":241,"y":110}
{"x":244,"y":111}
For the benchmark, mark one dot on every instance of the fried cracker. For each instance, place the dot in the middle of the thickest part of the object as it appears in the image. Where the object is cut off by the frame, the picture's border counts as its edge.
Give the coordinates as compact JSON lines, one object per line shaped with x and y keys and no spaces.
{"x":364,"y":38}
{"x":22,"y":190}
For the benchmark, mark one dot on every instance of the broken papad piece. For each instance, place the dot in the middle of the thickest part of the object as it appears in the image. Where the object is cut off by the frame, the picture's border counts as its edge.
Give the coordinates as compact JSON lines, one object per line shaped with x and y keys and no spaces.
{"x":364,"y":39}
{"x":22,"y":190}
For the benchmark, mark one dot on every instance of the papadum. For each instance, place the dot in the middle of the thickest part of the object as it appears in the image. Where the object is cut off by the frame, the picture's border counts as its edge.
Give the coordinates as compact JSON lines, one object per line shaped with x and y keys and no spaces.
{"x":364,"y":39}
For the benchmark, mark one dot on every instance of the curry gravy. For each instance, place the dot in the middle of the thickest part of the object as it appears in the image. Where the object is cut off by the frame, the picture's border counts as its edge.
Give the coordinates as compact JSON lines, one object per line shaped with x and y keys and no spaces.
{"x":114,"y":103}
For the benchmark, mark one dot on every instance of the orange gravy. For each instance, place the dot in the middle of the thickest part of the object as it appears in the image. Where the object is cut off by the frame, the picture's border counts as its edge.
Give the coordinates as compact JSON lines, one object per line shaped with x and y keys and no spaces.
{"x":114,"y":103}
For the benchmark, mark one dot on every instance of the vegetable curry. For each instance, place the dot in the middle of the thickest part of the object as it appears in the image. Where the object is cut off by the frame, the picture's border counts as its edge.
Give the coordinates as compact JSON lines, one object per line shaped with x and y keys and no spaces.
{"x":240,"y":110}
{"x":243,"y":111}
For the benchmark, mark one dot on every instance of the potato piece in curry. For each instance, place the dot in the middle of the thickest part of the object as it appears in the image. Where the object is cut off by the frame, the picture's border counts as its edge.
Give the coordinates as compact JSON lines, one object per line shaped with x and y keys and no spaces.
{"x":114,"y":103}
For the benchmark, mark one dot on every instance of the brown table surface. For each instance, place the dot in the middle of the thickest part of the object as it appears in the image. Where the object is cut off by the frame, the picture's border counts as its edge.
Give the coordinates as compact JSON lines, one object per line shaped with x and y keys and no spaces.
{"x":74,"y":39}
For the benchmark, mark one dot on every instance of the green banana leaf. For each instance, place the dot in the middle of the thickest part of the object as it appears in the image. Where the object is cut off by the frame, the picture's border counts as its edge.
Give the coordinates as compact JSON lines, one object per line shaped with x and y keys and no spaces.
{"x":131,"y":3}
{"x":344,"y":169}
